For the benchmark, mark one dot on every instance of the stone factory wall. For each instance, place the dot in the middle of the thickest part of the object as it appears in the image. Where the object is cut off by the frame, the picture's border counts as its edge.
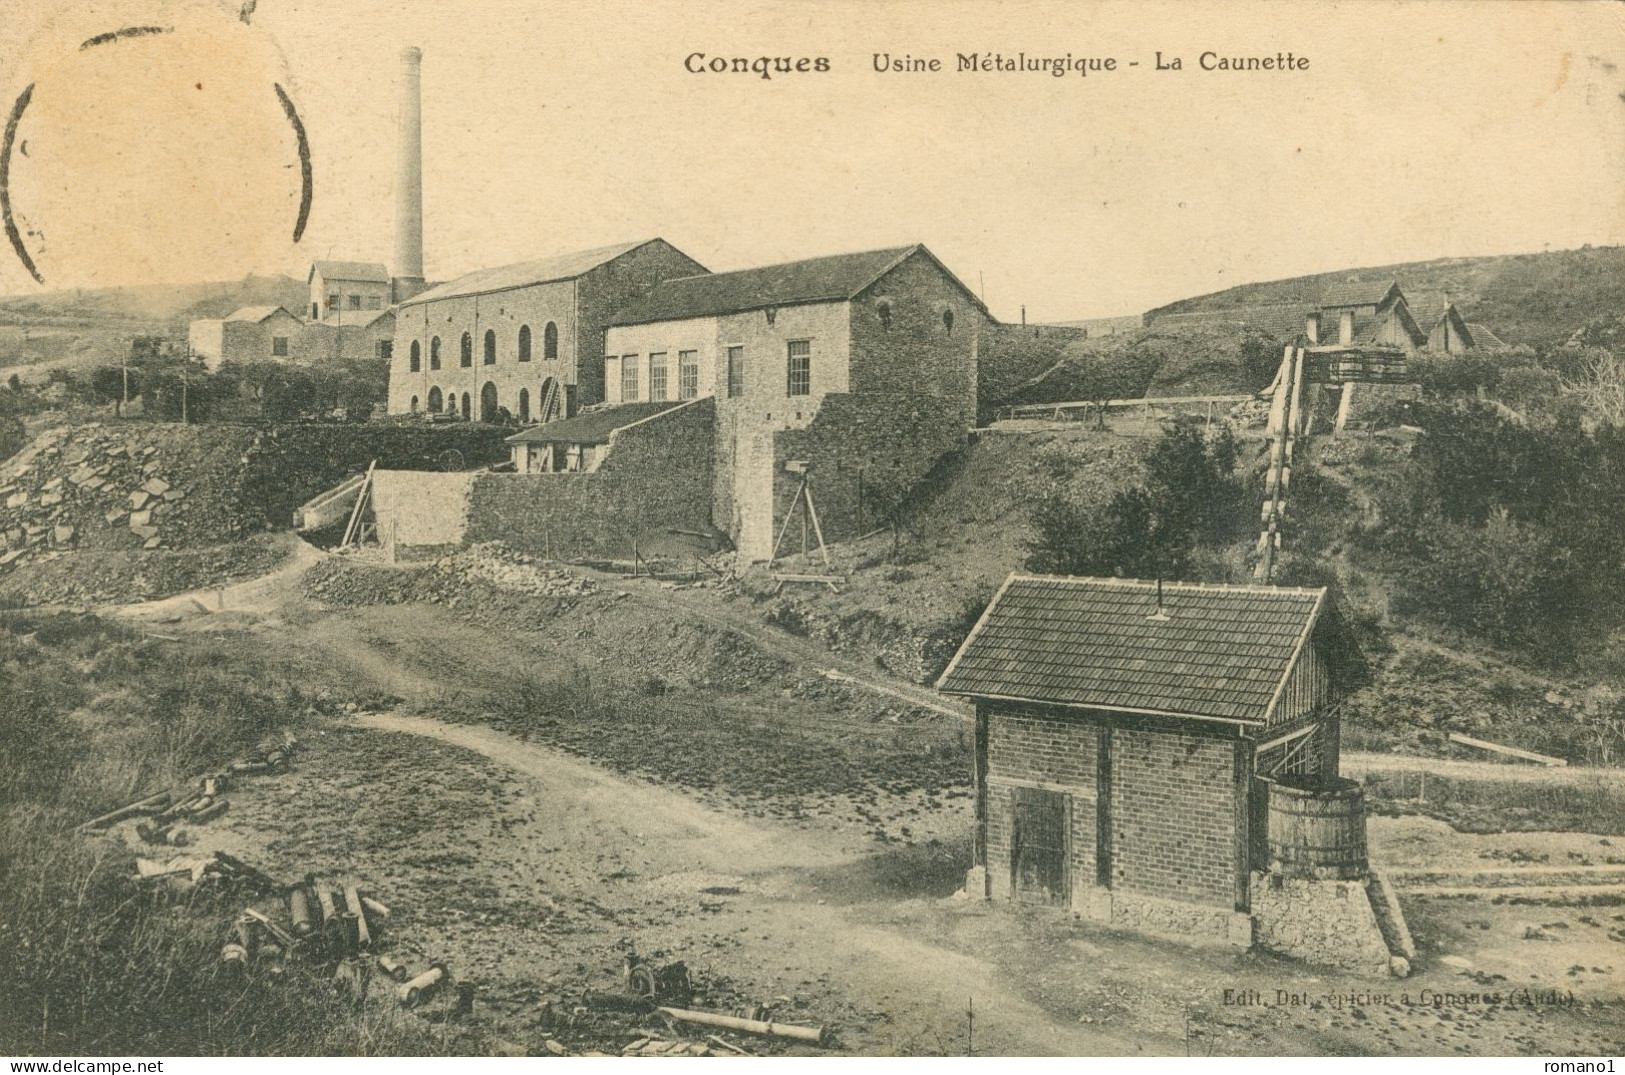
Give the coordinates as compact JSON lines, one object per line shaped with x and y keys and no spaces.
{"x":503,"y":313}
{"x":867,"y":453}
{"x":913,"y":350}
{"x":607,"y":289}
{"x":655,"y":478}
{"x":1329,"y":922}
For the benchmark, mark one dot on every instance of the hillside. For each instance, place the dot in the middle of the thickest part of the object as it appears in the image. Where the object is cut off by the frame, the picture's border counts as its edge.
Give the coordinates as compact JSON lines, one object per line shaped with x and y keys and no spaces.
{"x":94,"y":326}
{"x":913,"y":596}
{"x":1536,"y":300}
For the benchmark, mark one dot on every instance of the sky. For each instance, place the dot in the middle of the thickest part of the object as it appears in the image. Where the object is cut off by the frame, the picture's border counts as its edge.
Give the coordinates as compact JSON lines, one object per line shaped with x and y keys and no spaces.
{"x":1421,"y":129}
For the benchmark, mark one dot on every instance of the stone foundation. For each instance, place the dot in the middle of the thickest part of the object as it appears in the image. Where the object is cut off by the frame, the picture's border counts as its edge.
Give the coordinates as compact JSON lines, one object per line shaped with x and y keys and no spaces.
{"x":1329,"y":922}
{"x":1160,"y":917}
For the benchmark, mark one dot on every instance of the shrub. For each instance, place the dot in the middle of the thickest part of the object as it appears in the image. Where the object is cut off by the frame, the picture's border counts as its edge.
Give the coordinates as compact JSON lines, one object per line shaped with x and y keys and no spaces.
{"x":1189,"y":496}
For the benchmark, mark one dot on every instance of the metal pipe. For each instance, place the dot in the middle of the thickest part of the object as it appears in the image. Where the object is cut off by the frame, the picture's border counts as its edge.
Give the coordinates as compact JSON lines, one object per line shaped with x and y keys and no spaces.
{"x":750,"y":1026}
{"x":352,"y":899}
{"x":423,"y":985}
{"x":299,"y":911}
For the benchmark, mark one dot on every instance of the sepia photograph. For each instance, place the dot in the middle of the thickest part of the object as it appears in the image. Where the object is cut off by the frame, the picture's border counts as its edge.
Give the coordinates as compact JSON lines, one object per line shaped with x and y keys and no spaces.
{"x":811,"y":529}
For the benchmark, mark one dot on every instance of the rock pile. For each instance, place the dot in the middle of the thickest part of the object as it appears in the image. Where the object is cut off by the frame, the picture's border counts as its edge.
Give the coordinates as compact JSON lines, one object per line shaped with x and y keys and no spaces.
{"x":107,"y":487}
{"x":473,"y":576}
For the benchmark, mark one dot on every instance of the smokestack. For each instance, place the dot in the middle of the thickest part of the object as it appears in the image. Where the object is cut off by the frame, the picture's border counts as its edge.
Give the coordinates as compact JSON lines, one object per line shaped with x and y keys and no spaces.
{"x":408,"y":267}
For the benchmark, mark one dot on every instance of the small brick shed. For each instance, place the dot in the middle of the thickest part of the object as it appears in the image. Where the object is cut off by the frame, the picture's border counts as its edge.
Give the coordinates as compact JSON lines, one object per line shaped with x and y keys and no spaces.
{"x":1127,"y":732}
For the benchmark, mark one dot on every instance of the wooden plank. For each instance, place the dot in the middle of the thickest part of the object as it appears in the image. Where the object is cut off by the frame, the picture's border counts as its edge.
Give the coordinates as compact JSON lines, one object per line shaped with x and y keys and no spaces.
{"x":782,"y":577}
{"x":1116,"y":404}
{"x":1526,"y":755}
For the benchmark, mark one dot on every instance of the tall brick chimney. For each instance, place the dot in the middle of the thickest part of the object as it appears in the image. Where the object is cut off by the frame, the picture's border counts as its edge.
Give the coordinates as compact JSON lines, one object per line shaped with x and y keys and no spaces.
{"x":408,"y":267}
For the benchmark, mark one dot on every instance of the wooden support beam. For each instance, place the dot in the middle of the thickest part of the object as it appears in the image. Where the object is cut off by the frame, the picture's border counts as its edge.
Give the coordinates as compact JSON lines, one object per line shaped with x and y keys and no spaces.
{"x":1526,"y":755}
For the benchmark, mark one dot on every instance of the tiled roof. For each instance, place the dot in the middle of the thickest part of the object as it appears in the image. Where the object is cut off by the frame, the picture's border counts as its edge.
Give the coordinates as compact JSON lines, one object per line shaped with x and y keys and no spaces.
{"x":357,"y":318}
{"x":254,"y":313}
{"x":1366,"y":293}
{"x":1221,"y":653}
{"x":593,"y":427}
{"x":371,"y":272}
{"x":828,"y":279}
{"x":526,"y":273}
{"x":1484,"y":338}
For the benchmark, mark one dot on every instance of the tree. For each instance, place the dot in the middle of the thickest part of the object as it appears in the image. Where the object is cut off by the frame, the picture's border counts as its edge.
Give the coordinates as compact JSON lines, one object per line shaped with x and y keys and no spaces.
{"x":1600,"y":385}
{"x":1189,"y":496}
{"x":110,"y":385}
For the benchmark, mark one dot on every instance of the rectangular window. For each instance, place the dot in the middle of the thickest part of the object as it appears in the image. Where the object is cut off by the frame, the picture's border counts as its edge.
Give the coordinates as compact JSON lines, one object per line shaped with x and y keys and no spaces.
{"x":386,"y":349}
{"x":333,"y":301}
{"x":629,"y":378}
{"x":375,"y":302}
{"x":657,"y":376}
{"x":736,"y":372}
{"x":612,"y":379}
{"x":798,"y":381}
{"x":279,"y":346}
{"x":355,"y":302}
{"x":688,"y":374}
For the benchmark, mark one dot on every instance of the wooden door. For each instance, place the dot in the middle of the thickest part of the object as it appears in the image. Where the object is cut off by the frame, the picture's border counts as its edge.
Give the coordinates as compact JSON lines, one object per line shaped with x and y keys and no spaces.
{"x":1038,"y":846}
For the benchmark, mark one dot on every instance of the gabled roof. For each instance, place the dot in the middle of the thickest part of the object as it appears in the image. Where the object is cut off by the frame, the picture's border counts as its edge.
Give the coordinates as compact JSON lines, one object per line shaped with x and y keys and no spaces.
{"x":1483,"y":338}
{"x":256,"y":313}
{"x":593,"y":427}
{"x":1367,"y":293}
{"x":836,"y":278}
{"x":357,"y":318}
{"x":527,"y":273}
{"x":1222,"y":652}
{"x":369,"y":272}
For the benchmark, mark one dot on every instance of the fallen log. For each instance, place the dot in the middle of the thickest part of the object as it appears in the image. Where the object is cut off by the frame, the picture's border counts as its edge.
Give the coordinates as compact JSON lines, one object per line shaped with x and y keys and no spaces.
{"x":813,"y":1034}
{"x":150,"y":805}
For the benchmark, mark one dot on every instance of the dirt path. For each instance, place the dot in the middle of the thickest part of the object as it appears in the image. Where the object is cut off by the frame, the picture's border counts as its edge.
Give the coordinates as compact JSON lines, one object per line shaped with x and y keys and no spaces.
{"x":251,"y":596}
{"x":796,"y":932}
{"x":747,"y":623}
{"x":1511,"y":772}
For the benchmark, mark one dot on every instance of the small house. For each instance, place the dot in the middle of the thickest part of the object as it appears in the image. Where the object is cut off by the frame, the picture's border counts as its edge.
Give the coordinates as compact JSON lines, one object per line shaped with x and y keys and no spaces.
{"x":577,"y":444}
{"x":1127,"y":736}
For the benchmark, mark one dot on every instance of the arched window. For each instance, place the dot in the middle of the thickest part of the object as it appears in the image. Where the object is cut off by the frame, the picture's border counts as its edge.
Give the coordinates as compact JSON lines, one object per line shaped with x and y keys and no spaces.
{"x":524,"y":343}
{"x":414,"y":404}
{"x":490,"y":347}
{"x":524,"y":404}
{"x":416,"y":358}
{"x":466,"y":357}
{"x":948,"y":321}
{"x":884,"y":310}
{"x":488,"y":402}
{"x":435,"y":400}
{"x":468,"y":411}
{"x":434,"y":353}
{"x":550,"y":342}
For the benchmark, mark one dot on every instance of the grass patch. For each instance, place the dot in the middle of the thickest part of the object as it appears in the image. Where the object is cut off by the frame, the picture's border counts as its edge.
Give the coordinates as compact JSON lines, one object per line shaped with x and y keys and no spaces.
{"x":95,"y":715}
{"x":1467,"y":805}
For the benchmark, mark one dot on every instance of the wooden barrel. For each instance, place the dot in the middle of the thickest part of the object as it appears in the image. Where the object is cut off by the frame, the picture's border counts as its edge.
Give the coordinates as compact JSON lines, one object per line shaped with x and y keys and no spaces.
{"x":1317,"y":829}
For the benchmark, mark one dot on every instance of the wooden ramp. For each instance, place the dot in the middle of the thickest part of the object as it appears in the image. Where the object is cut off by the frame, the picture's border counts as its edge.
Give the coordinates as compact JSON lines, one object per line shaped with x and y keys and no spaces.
{"x":330,"y":508}
{"x":1285,"y":423}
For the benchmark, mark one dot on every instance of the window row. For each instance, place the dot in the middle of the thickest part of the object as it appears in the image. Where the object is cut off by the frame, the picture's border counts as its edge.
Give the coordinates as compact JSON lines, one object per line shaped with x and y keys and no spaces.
{"x":659,"y":369}
{"x":337,"y":302}
{"x":551,"y":401}
{"x":465,"y":354}
{"x":657,"y":387}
